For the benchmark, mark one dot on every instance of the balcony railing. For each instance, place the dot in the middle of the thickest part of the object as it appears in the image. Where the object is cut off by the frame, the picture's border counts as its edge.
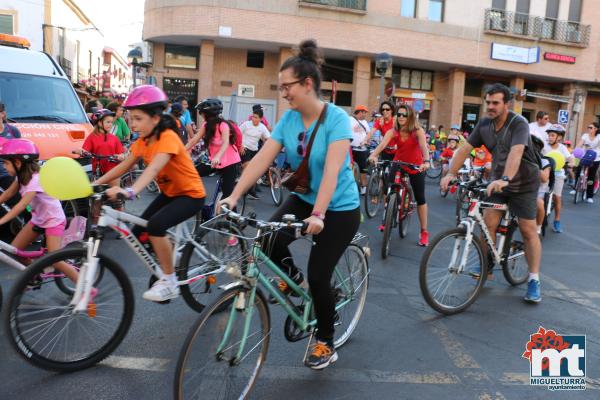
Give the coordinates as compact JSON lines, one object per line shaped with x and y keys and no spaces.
{"x":537,"y":28}
{"x":350,"y":5}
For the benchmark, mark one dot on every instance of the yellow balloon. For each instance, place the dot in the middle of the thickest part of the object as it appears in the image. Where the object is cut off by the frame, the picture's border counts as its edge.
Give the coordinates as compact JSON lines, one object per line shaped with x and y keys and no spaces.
{"x":64,"y":178}
{"x":559,"y":159}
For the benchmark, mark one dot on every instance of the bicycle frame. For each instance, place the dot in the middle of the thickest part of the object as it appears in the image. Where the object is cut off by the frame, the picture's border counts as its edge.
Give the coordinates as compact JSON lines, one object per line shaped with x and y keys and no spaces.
{"x":475,"y":217}
{"x":6,"y":259}
{"x":116,"y":220}
{"x":254,"y":277}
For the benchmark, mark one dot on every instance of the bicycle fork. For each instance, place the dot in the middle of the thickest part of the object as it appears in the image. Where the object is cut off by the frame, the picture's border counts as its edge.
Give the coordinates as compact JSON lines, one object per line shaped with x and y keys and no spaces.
{"x":469,"y":225}
{"x":83,"y":288}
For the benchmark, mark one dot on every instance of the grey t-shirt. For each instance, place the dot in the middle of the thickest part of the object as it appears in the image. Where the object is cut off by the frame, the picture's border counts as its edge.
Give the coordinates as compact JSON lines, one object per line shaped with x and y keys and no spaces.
{"x":514,"y":132}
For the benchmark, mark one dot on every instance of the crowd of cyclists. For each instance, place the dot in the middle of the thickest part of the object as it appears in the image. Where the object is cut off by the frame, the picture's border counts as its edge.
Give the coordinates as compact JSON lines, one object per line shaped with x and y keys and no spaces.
{"x":522,"y":162}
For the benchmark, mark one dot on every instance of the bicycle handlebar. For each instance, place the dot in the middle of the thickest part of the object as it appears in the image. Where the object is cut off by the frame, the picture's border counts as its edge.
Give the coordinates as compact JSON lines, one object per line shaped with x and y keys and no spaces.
{"x":86,"y":154}
{"x":290,"y":221}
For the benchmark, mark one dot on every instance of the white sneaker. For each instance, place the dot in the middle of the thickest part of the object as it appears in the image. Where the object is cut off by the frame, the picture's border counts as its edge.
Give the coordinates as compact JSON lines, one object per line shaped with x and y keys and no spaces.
{"x":591,"y":201}
{"x":572,"y":192}
{"x":162,"y":290}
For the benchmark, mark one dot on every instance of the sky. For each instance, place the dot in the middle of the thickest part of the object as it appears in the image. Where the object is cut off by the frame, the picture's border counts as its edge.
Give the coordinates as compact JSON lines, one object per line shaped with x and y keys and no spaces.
{"x":120,"y":21}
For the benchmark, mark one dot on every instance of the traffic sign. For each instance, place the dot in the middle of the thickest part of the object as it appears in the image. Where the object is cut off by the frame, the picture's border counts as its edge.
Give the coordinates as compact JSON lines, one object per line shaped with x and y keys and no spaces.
{"x":563,"y":116}
{"x":418,"y":106}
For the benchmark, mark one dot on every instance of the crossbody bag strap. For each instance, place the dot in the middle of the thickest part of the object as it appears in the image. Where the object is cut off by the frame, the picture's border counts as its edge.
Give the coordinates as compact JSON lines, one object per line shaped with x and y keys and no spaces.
{"x":314,"y":133}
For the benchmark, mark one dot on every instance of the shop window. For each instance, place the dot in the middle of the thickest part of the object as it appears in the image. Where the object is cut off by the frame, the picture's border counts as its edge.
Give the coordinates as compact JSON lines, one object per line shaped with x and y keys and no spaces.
{"x":342,"y":98}
{"x":405,"y":78}
{"x":341,"y":71}
{"x":530,"y":88}
{"x":255,"y":59}
{"x":7,"y":24}
{"x":179,"y":56}
{"x":473,"y":87}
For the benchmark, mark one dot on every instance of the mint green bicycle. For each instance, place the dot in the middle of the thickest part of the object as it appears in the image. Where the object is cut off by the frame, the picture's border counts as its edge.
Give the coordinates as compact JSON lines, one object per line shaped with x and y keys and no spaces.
{"x":227,"y":346}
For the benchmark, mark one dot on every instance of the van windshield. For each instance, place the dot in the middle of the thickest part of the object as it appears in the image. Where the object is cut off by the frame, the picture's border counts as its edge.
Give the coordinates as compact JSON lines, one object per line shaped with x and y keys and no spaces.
{"x":30,"y":98}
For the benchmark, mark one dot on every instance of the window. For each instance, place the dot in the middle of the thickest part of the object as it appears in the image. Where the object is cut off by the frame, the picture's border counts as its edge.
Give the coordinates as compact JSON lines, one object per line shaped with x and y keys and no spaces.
{"x":341,"y":71}
{"x":178,"y":56}
{"x":342,"y":98}
{"x":473,"y":87}
{"x":7,"y":24}
{"x":255,"y":59}
{"x":552,"y":9}
{"x":405,"y":78}
{"x":530,"y":87}
{"x":523,"y":6}
{"x":436,"y":10}
{"x":408,"y":8}
{"x":522,"y":18}
{"x":575,"y":11}
{"x":499,"y":4}
{"x":549,"y":24}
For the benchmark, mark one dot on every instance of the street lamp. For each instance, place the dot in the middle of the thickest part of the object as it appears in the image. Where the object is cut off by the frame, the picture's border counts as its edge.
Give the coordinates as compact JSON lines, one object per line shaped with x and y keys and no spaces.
{"x":134,"y":56}
{"x":383,"y":61}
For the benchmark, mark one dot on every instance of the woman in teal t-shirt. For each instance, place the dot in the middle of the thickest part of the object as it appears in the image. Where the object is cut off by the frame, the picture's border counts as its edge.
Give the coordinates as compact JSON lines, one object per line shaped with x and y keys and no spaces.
{"x":331,"y":207}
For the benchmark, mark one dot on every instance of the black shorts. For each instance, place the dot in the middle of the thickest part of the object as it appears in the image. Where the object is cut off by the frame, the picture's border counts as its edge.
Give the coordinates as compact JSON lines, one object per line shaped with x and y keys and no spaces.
{"x":522,"y":205}
{"x":248,"y":155}
{"x":360,"y":157}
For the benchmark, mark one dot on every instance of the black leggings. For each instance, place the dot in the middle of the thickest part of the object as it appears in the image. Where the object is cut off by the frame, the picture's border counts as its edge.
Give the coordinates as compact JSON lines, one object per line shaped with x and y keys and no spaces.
{"x":330,"y":244}
{"x":417,"y":183}
{"x":165,"y":212}
{"x":228,"y":177}
{"x":591,"y":175}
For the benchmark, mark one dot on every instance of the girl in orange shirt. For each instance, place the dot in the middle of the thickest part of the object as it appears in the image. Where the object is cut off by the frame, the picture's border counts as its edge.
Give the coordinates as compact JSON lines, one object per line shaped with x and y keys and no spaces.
{"x":182,"y":192}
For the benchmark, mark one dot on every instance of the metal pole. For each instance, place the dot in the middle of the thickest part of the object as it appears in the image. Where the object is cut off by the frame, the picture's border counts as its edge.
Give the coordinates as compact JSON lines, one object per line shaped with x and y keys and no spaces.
{"x":134,"y":73}
{"x":382,"y":88}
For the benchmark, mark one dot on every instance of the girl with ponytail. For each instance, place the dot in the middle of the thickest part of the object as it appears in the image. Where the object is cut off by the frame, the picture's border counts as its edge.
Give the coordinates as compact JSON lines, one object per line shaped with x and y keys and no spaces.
{"x":181,"y":190}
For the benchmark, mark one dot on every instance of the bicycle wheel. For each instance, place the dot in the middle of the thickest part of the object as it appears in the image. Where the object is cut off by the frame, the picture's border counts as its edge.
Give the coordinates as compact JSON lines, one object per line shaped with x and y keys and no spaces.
{"x":405,"y":215}
{"x":435,"y":169}
{"x":66,"y":285}
{"x":514,"y":264}
{"x":580,"y":188}
{"x":390,"y":215}
{"x":152,"y":187}
{"x":275,"y":186}
{"x":445,"y":287}
{"x":193,"y":224}
{"x":350,"y":283}
{"x":193,"y":263}
{"x":43,"y":329}
{"x":373,"y":195}
{"x":209,"y":365}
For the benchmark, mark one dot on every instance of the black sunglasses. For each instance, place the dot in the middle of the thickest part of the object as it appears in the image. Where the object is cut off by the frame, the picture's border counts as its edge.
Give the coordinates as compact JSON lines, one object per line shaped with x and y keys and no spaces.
{"x":386,"y":109}
{"x":301,"y":149}
{"x":405,"y":115}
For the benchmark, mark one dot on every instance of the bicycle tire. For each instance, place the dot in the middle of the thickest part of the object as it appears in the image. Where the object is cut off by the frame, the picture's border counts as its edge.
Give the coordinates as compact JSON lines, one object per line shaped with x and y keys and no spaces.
{"x":63,"y":283}
{"x":512,"y":247}
{"x":20,"y":340}
{"x":435,"y":170}
{"x":190,"y":294}
{"x":374,"y":190}
{"x":425,"y":266}
{"x":354,"y":288}
{"x":153,"y":187}
{"x":276,"y":187}
{"x":390,"y":214}
{"x":204,"y":338}
{"x":405,"y":215}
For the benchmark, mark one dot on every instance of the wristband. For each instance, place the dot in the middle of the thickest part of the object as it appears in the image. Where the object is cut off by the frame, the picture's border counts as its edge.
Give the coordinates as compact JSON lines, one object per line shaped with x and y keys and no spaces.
{"x":318,"y":214}
{"x":130,"y":193}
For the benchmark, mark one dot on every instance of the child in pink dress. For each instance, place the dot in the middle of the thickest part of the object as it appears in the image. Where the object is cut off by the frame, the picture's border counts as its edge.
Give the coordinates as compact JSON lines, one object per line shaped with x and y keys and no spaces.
{"x":20,"y":159}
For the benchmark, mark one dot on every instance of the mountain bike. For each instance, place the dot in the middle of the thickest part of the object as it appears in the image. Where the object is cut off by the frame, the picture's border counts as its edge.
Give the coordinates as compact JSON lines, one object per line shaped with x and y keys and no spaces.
{"x":61,"y":332}
{"x":376,"y":187}
{"x":225,"y":350}
{"x":400,"y":205}
{"x":456,"y":264}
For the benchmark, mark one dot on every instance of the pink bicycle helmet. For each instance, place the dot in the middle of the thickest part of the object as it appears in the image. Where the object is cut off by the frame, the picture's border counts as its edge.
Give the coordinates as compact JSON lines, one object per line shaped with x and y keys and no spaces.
{"x":19,"y":148}
{"x":146,"y":96}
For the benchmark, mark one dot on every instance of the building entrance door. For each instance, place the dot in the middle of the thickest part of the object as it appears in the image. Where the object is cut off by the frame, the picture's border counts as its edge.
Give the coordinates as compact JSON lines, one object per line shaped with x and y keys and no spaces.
{"x":174,"y":87}
{"x":470,"y":116}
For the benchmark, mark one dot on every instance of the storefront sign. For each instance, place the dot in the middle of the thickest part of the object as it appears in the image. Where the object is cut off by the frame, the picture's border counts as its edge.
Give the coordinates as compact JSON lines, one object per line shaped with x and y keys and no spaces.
{"x":225,"y":31}
{"x":418,"y":95}
{"x":559,"y":57}
{"x":246,"y":90}
{"x":471,"y":117}
{"x":523,"y":55}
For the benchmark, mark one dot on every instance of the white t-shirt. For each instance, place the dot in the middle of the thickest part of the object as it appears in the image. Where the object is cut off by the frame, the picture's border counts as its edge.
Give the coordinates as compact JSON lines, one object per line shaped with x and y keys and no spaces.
{"x":589,"y":144}
{"x":251,"y":134}
{"x":360,"y":129}
{"x":544,"y":186}
{"x":539,"y":131}
{"x":562,"y":149}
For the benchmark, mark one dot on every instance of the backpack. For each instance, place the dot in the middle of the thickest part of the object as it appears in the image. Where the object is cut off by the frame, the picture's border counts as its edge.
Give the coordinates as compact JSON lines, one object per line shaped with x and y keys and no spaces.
{"x":552,"y":167}
{"x":182,"y":132}
{"x":235,"y":140}
{"x":588,"y":158}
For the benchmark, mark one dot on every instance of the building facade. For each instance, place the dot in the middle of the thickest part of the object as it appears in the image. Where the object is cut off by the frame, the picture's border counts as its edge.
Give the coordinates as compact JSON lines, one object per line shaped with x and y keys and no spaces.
{"x":444,"y":52}
{"x":61,"y":29}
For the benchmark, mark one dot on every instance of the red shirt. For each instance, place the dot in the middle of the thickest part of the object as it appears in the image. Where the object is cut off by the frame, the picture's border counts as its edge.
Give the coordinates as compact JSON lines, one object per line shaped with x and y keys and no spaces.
{"x":387,"y":125}
{"x":447,"y":153}
{"x":103,"y":145}
{"x":409,"y":151}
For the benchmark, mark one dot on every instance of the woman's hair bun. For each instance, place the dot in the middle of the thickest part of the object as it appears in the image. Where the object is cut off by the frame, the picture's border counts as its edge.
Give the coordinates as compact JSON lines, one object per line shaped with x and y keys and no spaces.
{"x":308,"y":50}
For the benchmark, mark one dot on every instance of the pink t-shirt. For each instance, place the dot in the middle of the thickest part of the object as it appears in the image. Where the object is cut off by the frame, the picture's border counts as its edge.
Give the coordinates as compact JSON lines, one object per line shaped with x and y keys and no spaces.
{"x":46,"y":211}
{"x":231,"y":155}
